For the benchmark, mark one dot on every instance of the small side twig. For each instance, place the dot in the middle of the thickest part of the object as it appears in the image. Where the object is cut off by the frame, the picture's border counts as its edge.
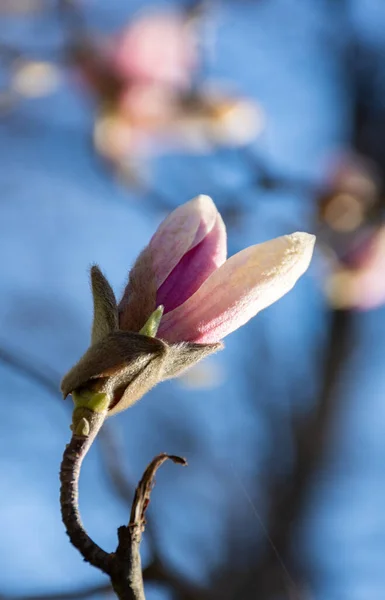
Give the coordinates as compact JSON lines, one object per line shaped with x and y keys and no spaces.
{"x":124,"y":488}
{"x":127,"y":578}
{"x":157,"y":570}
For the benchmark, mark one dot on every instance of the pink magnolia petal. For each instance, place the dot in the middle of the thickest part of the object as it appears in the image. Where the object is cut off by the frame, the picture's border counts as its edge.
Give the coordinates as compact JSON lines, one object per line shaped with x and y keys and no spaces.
{"x":157,"y":47}
{"x":194,"y":268}
{"x":181,"y":231}
{"x":248,"y":282}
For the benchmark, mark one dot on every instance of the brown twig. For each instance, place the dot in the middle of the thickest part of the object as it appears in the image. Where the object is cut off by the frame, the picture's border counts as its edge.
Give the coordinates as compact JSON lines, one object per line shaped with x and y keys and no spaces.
{"x":143,"y":491}
{"x":127,"y":576}
{"x":157,"y":570}
{"x":112,"y":460}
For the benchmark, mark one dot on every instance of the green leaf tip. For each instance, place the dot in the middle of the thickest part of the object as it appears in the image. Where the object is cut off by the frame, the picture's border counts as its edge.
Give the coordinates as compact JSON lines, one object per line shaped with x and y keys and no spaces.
{"x":150,"y":328}
{"x":95,"y":401}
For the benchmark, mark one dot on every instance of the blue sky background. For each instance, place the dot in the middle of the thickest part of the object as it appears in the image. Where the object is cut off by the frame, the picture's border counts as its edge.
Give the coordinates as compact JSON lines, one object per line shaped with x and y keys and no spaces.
{"x":61,"y":211}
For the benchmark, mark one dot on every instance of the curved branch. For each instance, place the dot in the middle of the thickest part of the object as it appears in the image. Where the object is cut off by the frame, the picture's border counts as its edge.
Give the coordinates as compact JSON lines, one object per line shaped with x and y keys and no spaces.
{"x":46,"y":377}
{"x":69,"y":494}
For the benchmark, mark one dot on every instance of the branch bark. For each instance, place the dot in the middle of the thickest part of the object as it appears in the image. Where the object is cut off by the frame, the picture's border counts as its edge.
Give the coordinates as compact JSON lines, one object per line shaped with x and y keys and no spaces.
{"x":69,"y":494}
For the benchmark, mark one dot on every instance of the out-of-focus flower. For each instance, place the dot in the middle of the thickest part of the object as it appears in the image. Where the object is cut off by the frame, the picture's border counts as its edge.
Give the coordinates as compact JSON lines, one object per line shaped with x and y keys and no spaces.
{"x":23,"y":77}
{"x":160,"y":48}
{"x":361,"y":284}
{"x":182,"y":298}
{"x":34,"y":79}
{"x":352,"y":193}
{"x":213,"y":118}
{"x":144,"y":79}
{"x":352,"y":235}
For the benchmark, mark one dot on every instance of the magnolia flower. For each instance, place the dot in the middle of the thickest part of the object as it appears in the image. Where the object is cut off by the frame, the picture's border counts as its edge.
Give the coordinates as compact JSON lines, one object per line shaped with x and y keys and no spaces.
{"x":139,"y":52}
{"x":148,"y":100}
{"x":347,"y":209}
{"x":182,"y":298}
{"x":352,"y":235}
{"x":360,"y":284}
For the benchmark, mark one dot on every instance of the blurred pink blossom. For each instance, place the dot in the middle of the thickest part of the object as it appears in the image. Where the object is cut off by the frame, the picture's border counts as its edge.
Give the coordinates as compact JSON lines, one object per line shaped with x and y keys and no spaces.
{"x":351,"y":234}
{"x":361,"y":285}
{"x":143,"y":79}
{"x":157,"y":48}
